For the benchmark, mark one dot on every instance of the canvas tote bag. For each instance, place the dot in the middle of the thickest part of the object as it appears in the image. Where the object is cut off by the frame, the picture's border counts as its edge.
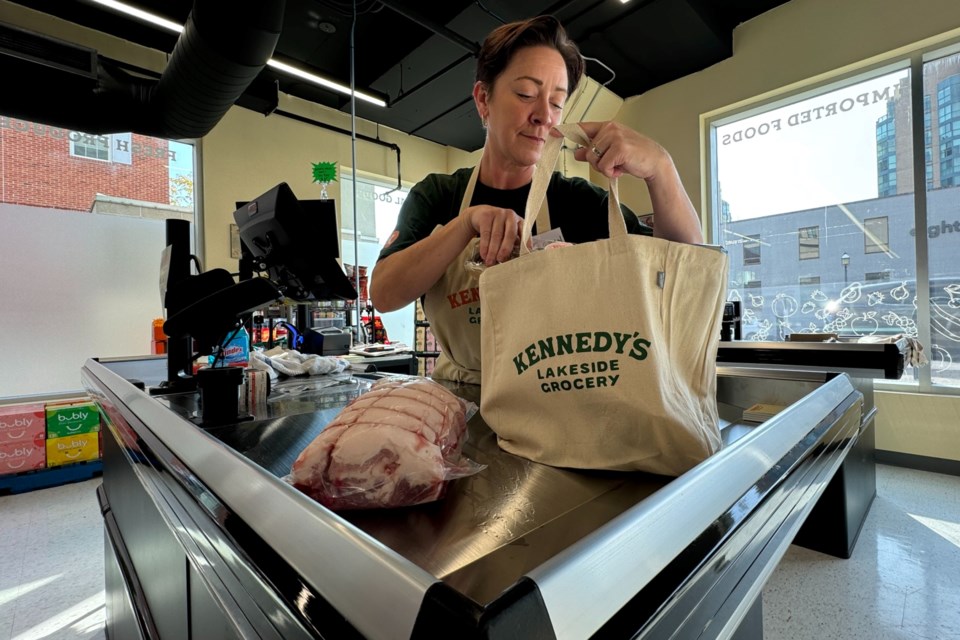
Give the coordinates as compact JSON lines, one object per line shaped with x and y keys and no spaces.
{"x":602,"y":355}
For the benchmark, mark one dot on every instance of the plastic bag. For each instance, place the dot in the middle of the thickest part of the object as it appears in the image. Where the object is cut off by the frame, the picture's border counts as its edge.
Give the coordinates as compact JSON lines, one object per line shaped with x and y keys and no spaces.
{"x":399,"y":444}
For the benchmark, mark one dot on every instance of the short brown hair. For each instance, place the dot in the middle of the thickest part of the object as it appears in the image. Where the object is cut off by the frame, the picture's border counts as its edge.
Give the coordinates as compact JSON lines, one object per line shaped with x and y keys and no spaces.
{"x":503,"y":42}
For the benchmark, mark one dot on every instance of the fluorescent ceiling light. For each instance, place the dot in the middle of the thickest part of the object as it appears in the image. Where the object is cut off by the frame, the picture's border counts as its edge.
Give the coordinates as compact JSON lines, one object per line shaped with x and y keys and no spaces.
{"x":323,"y":82}
{"x":280,"y":66}
{"x":140,"y":14}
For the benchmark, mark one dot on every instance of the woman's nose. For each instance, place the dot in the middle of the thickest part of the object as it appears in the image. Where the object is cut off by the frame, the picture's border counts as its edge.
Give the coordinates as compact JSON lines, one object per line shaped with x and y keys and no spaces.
{"x":542,"y":113}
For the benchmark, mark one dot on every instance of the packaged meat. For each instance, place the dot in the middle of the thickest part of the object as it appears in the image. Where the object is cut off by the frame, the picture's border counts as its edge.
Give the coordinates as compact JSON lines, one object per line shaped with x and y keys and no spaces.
{"x":398,"y":444}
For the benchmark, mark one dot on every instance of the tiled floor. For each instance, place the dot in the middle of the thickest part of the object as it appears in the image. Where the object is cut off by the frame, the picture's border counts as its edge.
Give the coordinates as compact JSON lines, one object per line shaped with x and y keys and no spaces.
{"x":51,"y":564}
{"x":902,"y":583}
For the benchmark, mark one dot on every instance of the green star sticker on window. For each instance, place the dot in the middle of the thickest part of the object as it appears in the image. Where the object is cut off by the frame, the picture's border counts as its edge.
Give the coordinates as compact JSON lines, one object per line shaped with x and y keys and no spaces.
{"x":324,"y":173}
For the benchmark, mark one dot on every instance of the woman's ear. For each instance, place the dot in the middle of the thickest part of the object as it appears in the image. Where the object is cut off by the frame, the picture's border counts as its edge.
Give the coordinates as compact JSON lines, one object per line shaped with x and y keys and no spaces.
{"x":480,"y":99}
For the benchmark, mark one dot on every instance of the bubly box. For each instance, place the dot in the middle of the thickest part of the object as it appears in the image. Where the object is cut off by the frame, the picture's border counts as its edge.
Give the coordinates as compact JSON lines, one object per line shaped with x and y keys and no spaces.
{"x":17,"y":456}
{"x":19,"y":422}
{"x":70,"y":449}
{"x":66,"y":419}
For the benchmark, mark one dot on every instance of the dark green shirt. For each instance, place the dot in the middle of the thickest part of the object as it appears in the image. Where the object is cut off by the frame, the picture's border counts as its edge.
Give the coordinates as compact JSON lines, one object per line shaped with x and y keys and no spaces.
{"x":577,"y":207}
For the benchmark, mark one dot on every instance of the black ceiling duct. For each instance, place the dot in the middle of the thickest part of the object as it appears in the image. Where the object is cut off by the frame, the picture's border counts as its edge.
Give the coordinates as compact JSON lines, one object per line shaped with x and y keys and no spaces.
{"x":217,"y":56}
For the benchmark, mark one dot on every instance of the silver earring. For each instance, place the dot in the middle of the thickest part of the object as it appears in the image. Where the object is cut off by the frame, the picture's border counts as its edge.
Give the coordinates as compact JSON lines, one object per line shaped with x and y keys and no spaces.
{"x":483,"y":121}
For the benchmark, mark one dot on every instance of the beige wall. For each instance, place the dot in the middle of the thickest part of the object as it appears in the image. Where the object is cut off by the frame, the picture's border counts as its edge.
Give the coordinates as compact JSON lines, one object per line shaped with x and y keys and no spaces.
{"x":918,"y":424}
{"x":248,"y":153}
{"x":792,"y":45}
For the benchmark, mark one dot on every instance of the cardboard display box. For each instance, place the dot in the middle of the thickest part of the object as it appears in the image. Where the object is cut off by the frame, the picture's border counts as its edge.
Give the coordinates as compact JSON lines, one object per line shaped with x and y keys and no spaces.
{"x":75,"y":448}
{"x":22,"y":435}
{"x":72,"y":418}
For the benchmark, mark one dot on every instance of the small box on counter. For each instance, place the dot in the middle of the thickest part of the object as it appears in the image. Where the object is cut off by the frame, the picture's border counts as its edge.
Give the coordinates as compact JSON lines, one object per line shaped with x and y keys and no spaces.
{"x":72,"y":418}
{"x":75,"y":448}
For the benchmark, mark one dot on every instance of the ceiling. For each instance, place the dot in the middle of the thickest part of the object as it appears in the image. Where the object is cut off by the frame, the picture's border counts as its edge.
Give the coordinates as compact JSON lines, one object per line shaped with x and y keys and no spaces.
{"x":418,"y":55}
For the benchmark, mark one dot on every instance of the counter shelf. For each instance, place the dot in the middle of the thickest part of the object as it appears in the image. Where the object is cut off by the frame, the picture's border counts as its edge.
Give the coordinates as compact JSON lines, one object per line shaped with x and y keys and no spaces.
{"x":557,"y":553}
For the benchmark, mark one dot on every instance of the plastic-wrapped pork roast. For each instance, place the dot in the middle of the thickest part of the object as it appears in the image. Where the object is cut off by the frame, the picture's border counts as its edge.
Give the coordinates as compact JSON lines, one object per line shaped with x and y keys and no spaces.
{"x":395,"y":445}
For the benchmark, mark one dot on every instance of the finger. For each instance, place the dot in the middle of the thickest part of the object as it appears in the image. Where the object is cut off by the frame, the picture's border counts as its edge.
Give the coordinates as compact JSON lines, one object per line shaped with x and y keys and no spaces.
{"x":484,"y":243}
{"x":492,"y":253}
{"x":509,"y":240}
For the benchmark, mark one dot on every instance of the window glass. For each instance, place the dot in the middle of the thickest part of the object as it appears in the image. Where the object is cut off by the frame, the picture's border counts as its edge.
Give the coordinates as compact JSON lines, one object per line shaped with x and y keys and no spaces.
{"x":84,"y":228}
{"x":809,"y":243}
{"x":378,"y":206}
{"x":830,"y":174}
{"x":841,"y":161}
{"x":941,"y":81}
{"x":83,"y":145}
{"x":875,"y":235}
{"x":751,"y":250}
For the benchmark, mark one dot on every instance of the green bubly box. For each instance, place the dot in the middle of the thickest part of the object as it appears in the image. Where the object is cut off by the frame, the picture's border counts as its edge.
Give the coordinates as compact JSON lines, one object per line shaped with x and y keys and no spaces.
{"x":70,"y":419}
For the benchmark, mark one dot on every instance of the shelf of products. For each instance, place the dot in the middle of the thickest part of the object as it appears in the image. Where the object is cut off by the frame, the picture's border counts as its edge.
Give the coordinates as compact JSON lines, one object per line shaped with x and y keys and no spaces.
{"x":425,"y":345}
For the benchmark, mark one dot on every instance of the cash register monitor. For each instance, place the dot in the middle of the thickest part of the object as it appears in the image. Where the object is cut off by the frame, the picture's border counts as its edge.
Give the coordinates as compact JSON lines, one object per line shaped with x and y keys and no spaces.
{"x":295,"y":243}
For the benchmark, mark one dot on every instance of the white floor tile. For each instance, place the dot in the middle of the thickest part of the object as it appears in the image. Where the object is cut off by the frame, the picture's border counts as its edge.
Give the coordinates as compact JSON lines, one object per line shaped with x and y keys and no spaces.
{"x":51,"y":564}
{"x":902,"y":582}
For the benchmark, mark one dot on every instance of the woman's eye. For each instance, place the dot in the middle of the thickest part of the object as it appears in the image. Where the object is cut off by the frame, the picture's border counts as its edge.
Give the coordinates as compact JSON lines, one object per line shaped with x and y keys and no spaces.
{"x":558,"y":107}
{"x":524,"y":96}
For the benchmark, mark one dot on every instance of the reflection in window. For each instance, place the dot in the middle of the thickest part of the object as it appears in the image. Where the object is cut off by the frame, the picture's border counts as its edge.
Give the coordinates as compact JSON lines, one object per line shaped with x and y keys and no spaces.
{"x":83,"y":145}
{"x":809,"y":243}
{"x":876,"y":276}
{"x":751,"y":250}
{"x":887,"y":153}
{"x":876,"y":236}
{"x":948,"y":114}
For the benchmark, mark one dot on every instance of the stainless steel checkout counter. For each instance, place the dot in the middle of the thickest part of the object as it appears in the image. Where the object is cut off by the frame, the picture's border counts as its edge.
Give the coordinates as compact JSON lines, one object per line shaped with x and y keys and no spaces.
{"x":205,"y":539}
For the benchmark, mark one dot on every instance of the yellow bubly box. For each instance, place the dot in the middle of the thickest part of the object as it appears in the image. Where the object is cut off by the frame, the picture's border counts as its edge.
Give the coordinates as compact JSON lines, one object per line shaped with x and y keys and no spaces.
{"x":72,"y":418}
{"x":70,"y":449}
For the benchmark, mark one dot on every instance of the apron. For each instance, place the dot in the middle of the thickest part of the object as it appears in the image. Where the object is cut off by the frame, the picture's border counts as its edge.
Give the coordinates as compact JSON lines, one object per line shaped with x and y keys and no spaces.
{"x":452,"y":306}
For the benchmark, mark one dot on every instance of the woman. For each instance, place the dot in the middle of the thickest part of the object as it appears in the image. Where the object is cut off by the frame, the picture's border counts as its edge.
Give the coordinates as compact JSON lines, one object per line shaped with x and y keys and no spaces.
{"x":526,"y":70}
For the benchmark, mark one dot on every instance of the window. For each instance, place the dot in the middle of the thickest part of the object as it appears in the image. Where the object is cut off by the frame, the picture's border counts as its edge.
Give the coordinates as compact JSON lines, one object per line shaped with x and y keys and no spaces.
{"x":876,"y":237}
{"x":84,"y":145}
{"x":378,"y":206}
{"x":106,"y":220}
{"x":753,"y":284}
{"x":751,"y":250}
{"x":941,"y":78}
{"x":809,"y":243}
{"x":838,"y":160}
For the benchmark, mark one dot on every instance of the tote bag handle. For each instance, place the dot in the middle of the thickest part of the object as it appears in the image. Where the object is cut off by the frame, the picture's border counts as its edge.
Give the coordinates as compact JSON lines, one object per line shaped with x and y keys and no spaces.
{"x":541,"y":180}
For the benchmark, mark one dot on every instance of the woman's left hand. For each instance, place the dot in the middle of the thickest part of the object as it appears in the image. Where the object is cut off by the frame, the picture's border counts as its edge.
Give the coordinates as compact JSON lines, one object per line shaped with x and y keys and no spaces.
{"x":618,"y":150}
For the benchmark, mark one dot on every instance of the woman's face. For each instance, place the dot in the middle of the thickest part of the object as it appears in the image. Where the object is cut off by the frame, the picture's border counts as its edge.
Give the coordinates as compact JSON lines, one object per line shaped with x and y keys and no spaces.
{"x":526,"y":101}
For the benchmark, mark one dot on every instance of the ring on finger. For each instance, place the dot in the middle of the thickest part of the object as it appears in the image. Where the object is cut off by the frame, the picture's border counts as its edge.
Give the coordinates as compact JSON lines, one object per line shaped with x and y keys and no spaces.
{"x":597,"y":151}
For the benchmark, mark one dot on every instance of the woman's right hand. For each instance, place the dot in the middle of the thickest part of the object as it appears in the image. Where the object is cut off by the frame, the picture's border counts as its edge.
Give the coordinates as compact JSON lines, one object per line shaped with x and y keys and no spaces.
{"x":499,"y":230}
